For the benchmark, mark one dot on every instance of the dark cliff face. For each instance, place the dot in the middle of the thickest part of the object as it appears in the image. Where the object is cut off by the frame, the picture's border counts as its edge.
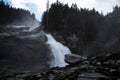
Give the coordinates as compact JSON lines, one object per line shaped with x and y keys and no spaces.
{"x":92,"y":48}
{"x":23,"y":51}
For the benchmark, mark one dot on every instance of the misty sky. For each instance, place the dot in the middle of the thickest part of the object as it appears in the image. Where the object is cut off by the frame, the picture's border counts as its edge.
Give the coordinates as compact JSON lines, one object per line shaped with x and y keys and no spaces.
{"x":39,"y":6}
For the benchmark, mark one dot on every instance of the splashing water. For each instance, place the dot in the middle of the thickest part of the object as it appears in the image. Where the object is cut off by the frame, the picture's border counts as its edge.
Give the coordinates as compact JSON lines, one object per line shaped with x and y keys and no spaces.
{"x":58,"y":52}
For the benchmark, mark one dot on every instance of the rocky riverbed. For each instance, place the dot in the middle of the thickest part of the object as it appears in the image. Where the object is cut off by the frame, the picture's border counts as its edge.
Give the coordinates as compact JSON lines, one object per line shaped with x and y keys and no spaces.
{"x":95,"y":68}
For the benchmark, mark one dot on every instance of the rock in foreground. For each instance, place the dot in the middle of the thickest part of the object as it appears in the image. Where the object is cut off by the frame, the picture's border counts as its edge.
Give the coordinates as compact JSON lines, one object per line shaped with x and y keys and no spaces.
{"x":95,"y":68}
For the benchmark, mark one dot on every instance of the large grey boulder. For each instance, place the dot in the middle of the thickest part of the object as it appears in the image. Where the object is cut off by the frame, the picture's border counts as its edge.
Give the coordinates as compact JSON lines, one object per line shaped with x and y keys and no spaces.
{"x":92,"y":76}
{"x":74,"y":59}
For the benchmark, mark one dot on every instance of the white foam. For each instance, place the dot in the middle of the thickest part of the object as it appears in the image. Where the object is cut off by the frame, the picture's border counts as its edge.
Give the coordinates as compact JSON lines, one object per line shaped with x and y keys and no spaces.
{"x":58,"y":52}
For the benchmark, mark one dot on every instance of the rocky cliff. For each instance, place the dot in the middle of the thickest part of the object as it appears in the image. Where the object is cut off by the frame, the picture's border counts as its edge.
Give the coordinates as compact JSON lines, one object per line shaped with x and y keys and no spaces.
{"x":23,"y":51}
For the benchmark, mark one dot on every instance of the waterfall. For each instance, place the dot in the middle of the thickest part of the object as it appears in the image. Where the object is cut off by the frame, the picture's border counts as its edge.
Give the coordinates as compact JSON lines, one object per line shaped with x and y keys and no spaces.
{"x":58,"y":52}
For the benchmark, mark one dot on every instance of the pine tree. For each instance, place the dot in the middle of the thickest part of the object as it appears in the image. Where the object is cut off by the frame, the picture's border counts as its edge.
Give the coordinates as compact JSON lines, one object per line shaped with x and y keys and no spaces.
{"x":47,"y":12}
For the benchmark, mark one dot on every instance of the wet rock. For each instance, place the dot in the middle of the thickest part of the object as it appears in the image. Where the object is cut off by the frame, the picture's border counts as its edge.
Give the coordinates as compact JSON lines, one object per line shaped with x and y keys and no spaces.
{"x":31,"y":77}
{"x":38,"y":75}
{"x":112,"y":56}
{"x":118,"y":63}
{"x":37,"y":36}
{"x":86,"y":62}
{"x":98,"y":63}
{"x":74,"y":59}
{"x":22,"y":76}
{"x":11,"y":79}
{"x":105,"y":63}
{"x":112,"y":70}
{"x":72,"y":69}
{"x":4,"y":34}
{"x":86,"y":66}
{"x":91,"y":76}
{"x":51,"y":77}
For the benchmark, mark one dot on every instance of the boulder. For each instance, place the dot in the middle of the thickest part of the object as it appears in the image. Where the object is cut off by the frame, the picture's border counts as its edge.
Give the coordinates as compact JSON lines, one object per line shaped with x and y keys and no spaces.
{"x":92,"y":76}
{"x":74,"y":59}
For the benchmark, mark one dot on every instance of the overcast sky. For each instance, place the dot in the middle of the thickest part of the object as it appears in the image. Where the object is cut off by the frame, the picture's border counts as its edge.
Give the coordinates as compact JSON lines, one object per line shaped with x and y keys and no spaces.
{"x":39,"y":6}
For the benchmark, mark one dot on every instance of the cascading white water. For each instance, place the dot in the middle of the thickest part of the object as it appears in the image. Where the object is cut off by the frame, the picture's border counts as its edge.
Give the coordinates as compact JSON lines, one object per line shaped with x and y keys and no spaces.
{"x":58,"y":52}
